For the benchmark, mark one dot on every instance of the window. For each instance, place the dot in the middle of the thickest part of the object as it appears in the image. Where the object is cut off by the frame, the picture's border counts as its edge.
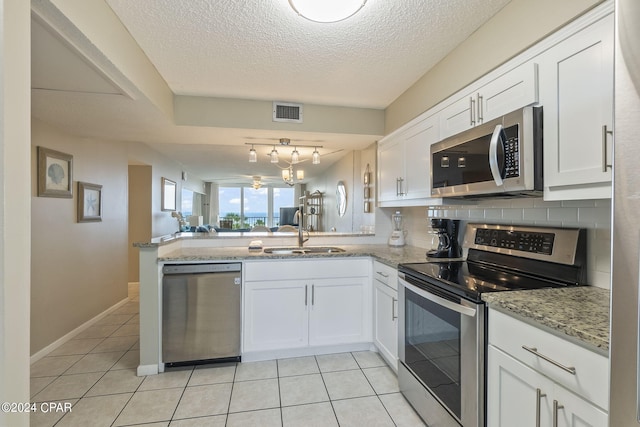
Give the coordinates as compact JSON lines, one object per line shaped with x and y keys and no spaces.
{"x":282,"y":198}
{"x":256,"y":207}
{"x":187,"y":202}
{"x":191,"y":202}
{"x":246,"y":207}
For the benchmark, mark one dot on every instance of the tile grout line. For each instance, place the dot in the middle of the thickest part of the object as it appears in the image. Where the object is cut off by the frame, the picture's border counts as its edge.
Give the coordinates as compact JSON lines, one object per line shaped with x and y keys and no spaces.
{"x":96,"y":382}
{"x":360,"y":367}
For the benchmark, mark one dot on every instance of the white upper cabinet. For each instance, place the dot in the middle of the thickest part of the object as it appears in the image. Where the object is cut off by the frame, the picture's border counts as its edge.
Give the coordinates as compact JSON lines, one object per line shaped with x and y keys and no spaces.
{"x":514,"y":89}
{"x":390,"y":169}
{"x":576,"y":92}
{"x":404,"y":166}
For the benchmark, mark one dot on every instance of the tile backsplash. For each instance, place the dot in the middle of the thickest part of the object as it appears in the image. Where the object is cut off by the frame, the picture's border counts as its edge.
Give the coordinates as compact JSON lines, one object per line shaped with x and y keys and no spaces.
{"x":593,"y":215}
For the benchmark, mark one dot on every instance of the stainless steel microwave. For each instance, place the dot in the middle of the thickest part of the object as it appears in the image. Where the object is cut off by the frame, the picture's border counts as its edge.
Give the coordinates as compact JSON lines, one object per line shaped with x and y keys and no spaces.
{"x":502,"y":157}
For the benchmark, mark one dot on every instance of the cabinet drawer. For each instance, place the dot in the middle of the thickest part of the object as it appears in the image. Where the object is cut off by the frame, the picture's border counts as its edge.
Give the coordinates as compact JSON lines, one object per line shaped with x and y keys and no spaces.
{"x":305,"y":268}
{"x":385,"y":274}
{"x":591,"y":378}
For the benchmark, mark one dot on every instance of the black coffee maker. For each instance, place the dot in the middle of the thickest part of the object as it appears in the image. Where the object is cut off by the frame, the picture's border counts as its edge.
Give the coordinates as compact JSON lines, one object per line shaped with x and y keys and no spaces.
{"x":447,"y":231}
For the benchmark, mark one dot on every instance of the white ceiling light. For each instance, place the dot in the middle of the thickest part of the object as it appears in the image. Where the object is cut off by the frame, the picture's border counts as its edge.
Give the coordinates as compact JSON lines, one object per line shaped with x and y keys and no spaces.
{"x":295,"y":154}
{"x":326,"y":10}
{"x":274,"y":155}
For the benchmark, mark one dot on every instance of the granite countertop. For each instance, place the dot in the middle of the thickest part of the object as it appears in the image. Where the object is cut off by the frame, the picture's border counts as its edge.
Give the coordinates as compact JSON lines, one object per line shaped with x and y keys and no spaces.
{"x":579,"y":313}
{"x":231,"y":235}
{"x":388,"y":255}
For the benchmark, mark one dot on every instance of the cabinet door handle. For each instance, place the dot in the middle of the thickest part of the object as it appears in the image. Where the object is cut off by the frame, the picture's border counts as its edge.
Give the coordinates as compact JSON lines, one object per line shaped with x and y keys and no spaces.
{"x":605,"y":160}
{"x":394,"y":316}
{"x":313,"y":294}
{"x":306,"y":291}
{"x":539,"y":396}
{"x":533,"y":350}
{"x":480,"y":112}
{"x":556,"y":407}
{"x":399,"y":186}
{"x":472,"y":108}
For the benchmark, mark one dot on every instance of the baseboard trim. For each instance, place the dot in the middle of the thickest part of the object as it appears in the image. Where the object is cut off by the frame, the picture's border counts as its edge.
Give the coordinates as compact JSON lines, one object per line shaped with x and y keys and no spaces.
{"x":257,"y":356}
{"x":54,"y":345}
{"x":144,"y":370}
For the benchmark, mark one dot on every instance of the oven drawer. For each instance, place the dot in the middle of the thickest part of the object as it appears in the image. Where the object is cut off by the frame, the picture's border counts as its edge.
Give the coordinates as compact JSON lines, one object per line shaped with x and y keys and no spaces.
{"x":385,"y":274}
{"x":591,"y":376}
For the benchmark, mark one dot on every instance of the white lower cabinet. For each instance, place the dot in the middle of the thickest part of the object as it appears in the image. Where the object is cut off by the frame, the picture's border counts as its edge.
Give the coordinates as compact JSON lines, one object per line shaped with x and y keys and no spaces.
{"x":528,"y":390}
{"x":520,"y":396}
{"x":337,"y":313}
{"x":385,"y":329}
{"x":295,"y":304}
{"x":385,"y":312}
{"x":276,"y":315}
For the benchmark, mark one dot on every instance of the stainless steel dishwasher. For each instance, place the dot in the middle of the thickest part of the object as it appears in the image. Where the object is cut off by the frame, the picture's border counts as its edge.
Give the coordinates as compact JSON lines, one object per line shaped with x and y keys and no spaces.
{"x":201,"y":313}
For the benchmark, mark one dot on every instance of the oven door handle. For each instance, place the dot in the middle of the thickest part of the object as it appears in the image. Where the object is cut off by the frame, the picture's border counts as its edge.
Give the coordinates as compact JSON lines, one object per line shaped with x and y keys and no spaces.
{"x":493,"y":155}
{"x":467,"y":311}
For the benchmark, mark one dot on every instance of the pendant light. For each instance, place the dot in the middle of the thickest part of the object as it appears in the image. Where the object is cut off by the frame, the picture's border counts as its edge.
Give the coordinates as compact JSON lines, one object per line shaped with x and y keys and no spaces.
{"x":295,"y":154}
{"x":253,"y":156}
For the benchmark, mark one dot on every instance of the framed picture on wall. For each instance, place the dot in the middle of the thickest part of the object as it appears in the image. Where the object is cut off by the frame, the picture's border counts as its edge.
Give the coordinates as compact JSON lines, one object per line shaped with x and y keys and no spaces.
{"x":89,"y":202}
{"x":168,"y":195}
{"x":55,"y":174}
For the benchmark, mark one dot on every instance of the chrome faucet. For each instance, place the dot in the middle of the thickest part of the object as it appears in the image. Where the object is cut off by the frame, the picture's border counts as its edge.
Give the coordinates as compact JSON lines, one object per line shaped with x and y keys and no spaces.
{"x":298,"y":215}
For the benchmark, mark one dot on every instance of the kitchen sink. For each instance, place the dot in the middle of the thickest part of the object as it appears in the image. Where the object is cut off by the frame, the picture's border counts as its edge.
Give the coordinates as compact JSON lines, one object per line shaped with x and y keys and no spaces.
{"x":295,"y":250}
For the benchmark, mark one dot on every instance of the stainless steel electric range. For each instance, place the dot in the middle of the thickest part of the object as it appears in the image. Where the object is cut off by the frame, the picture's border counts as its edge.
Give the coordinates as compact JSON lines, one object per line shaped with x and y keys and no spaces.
{"x":443,"y":320}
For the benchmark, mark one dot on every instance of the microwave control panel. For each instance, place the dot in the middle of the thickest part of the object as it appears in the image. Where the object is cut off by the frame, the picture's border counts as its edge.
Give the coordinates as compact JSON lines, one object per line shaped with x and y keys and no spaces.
{"x":511,"y":152}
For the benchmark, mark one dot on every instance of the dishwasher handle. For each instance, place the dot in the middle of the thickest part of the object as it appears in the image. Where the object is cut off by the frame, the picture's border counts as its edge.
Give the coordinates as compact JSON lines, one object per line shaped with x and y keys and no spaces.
{"x":169,"y":269}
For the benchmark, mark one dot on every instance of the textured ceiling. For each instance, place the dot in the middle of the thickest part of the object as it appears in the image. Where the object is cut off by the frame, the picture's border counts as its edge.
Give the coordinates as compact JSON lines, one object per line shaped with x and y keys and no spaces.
{"x":259,"y":50}
{"x":264,"y":50}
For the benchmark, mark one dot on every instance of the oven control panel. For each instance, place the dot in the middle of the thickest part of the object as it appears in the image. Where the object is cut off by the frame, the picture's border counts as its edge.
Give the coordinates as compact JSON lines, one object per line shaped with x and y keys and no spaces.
{"x":553,"y":244}
{"x":526,"y":241}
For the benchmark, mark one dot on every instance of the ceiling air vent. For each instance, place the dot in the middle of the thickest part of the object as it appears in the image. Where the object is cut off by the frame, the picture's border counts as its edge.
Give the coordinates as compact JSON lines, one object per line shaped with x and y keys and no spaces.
{"x":287,"y":112}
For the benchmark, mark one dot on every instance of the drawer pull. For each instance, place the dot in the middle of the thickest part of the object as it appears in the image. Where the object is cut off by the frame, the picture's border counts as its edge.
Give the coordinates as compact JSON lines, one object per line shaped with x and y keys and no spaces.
{"x":386,"y":276}
{"x":533,"y":350}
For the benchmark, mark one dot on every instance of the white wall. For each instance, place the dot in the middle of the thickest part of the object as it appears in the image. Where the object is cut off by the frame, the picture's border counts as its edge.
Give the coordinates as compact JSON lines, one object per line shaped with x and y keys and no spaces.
{"x":161,"y":221}
{"x":78,"y":270}
{"x":140,"y":190}
{"x":15,"y":105}
{"x":626,"y":232}
{"x":350,"y":170}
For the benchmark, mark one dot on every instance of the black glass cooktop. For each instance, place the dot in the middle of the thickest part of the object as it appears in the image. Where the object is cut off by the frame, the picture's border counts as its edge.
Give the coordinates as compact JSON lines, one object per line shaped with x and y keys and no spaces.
{"x":470,"y":279}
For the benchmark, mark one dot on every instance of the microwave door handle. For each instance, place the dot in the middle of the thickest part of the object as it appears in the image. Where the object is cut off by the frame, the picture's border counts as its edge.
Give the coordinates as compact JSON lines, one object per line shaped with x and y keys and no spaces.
{"x":493,"y":155}
{"x":467,"y":311}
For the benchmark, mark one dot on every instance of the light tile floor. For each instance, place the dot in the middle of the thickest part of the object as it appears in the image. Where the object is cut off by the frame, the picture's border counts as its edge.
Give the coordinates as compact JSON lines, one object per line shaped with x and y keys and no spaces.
{"x":96,"y":374}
